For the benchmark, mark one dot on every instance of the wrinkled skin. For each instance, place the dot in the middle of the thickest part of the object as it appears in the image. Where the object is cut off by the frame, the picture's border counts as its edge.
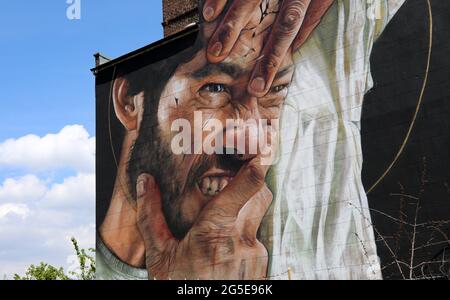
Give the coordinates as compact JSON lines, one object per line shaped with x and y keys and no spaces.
{"x":221,"y":242}
{"x":295,"y":22}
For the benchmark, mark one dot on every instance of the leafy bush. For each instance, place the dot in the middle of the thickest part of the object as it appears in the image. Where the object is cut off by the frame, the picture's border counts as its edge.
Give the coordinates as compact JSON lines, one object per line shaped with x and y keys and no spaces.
{"x":45,"y":271}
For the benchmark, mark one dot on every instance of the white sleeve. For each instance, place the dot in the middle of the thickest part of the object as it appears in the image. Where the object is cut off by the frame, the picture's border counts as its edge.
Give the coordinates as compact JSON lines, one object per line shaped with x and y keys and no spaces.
{"x":334,"y":65}
{"x":384,"y":11}
{"x":317,"y":181}
{"x":394,"y":6}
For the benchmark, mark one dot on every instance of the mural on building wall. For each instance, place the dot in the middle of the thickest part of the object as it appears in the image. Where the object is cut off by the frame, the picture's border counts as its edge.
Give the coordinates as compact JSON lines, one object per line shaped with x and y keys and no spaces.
{"x":239,"y":154}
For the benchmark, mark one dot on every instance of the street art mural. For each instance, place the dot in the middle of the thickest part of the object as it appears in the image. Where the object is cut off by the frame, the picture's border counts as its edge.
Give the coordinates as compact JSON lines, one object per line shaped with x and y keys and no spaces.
{"x":244,"y":148}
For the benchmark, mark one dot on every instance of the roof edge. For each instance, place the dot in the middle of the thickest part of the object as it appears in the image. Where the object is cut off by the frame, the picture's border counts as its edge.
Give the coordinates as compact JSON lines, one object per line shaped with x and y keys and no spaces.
{"x":170,"y":39}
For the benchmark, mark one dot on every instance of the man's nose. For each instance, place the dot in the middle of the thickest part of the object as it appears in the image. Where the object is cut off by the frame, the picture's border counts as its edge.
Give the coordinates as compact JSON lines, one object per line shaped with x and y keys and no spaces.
{"x":246,"y":107}
{"x":242,"y":132}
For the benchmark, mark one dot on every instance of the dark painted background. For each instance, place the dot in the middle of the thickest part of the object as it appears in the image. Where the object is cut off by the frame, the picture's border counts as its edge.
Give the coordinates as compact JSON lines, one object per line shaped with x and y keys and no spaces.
{"x":422,"y":172}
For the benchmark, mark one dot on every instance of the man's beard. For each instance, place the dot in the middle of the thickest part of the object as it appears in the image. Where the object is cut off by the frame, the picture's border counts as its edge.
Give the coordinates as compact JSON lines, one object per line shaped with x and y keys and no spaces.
{"x":152,"y":155}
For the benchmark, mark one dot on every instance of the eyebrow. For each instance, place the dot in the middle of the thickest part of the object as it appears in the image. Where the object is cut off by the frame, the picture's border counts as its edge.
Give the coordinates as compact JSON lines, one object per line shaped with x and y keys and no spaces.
{"x":232,"y":70}
{"x":284,"y":71}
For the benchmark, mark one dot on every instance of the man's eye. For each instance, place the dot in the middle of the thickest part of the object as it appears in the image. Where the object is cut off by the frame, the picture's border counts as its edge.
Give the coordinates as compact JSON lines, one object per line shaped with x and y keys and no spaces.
{"x":280,"y":88}
{"x":215,"y":88}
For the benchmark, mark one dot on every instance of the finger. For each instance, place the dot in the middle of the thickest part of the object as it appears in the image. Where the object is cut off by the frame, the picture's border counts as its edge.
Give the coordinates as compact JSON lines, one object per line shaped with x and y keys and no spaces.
{"x":228,"y":31}
{"x":212,"y":9}
{"x":286,"y":28}
{"x":316,"y":11}
{"x":224,"y":208}
{"x":150,"y":218}
{"x":252,"y":214}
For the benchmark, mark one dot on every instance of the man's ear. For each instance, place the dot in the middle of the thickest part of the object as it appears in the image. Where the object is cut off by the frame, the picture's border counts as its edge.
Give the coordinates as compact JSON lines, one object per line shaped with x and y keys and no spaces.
{"x":128,"y":108}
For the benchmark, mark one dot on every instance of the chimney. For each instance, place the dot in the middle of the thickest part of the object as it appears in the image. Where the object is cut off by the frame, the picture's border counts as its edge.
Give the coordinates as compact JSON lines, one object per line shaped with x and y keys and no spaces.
{"x":178,"y":14}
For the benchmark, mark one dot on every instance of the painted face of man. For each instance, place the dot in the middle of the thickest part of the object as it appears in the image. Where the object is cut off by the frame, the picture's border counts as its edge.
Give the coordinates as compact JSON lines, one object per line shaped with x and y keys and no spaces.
{"x":216,"y":91}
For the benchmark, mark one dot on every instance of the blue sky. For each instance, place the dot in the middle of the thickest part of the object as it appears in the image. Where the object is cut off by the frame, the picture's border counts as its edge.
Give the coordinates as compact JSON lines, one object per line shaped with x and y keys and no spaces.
{"x":46,"y":58}
{"x":47,"y":135}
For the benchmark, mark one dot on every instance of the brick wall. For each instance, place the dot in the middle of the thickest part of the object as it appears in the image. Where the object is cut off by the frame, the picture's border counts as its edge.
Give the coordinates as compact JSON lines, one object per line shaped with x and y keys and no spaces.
{"x":177,"y":14}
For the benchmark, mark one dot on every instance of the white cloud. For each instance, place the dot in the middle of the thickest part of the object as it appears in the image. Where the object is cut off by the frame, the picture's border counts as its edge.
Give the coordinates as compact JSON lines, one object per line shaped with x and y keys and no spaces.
{"x":40,"y":229}
{"x":29,"y":242}
{"x":73,"y":192}
{"x":39,"y":215}
{"x":25,"y":189}
{"x":20,"y":210}
{"x":71,"y":148}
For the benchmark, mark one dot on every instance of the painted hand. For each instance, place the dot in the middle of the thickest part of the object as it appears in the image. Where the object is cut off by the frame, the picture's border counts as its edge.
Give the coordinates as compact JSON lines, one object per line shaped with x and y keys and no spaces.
{"x":222,"y":244}
{"x":295,"y":22}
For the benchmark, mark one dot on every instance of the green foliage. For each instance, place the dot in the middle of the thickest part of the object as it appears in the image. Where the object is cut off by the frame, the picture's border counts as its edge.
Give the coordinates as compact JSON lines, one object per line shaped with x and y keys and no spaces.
{"x":43,"y":272}
{"x":86,"y":262}
{"x":47,"y":272}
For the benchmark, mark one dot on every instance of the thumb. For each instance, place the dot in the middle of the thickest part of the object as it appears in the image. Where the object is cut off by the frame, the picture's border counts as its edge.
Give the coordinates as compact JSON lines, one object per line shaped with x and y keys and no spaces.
{"x":150,"y":218}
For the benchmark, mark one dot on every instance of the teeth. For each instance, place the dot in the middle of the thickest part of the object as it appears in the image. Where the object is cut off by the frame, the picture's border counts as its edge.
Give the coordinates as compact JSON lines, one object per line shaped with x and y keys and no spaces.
{"x":206,"y":182}
{"x":214,"y":187}
{"x":211,"y":186}
{"x":223,"y":184}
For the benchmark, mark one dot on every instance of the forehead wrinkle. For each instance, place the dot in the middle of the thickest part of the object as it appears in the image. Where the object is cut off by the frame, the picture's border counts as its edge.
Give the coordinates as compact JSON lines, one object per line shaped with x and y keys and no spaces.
{"x":230,"y":69}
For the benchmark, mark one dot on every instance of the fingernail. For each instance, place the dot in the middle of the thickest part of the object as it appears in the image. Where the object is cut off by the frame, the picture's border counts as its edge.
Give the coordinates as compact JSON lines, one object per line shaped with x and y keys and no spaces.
{"x":208,"y":13}
{"x":258,"y":84}
{"x":141,"y":187}
{"x":216,"y":49}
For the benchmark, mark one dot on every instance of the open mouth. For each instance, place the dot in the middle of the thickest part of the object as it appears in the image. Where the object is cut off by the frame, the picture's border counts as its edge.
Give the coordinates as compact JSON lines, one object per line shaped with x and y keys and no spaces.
{"x":218,"y":177}
{"x":214,"y":181}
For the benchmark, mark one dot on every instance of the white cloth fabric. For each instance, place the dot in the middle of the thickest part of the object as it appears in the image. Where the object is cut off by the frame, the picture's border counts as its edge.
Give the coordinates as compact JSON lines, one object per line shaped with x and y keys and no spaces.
{"x":320,"y":224}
